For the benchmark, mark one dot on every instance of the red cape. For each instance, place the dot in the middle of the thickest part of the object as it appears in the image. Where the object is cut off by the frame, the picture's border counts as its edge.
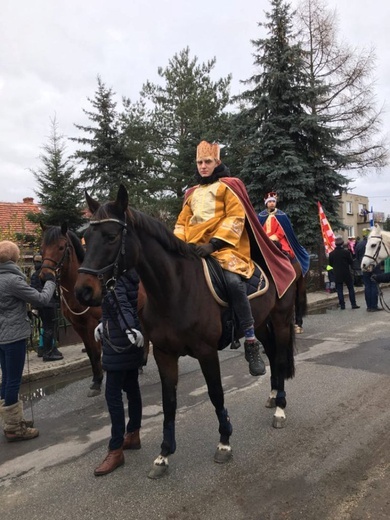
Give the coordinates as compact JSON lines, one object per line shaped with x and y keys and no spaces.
{"x":262,"y":247}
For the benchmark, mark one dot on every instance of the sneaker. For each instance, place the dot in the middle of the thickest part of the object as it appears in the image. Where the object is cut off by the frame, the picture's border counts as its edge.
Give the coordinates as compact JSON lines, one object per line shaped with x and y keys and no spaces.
{"x":298,"y":329}
{"x":355,"y":306}
{"x":252,"y":355}
{"x":376,"y":309}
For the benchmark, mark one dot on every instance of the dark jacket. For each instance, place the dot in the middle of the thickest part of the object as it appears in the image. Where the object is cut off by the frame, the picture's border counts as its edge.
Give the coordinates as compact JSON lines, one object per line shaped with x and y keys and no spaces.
{"x":360,"y":250}
{"x":14,"y":294}
{"x":382,"y":278}
{"x":38,"y":285}
{"x":341,"y":260}
{"x":128,"y":356}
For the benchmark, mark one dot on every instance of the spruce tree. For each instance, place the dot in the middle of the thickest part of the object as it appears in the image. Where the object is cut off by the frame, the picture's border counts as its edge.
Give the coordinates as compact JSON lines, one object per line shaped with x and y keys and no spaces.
{"x":58,"y":188}
{"x":104,"y":155}
{"x":282,"y":146}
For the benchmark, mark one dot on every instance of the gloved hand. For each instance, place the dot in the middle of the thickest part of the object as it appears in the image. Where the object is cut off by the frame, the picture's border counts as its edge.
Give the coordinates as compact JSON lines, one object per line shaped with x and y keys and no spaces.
{"x":204,"y":250}
{"x":373,"y":278}
{"x":98,"y":332}
{"x":135,"y":337}
{"x":48,"y":276}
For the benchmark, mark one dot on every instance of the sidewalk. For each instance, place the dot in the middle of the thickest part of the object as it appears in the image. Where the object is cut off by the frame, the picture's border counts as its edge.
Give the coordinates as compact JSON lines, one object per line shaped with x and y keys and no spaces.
{"x":35,"y":368}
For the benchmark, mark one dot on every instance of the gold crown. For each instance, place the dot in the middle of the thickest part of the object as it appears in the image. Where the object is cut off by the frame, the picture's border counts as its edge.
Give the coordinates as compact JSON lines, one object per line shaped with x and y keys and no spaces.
{"x":205,"y":149}
{"x":272,"y":195}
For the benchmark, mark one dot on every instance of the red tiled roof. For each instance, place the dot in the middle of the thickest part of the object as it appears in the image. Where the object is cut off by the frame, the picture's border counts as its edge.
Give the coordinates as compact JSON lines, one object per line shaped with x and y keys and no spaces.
{"x":13,"y":216}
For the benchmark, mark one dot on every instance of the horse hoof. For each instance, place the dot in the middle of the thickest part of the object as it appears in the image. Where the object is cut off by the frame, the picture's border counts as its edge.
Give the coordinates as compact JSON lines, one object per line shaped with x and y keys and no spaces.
{"x":157,"y":471}
{"x":222,"y":456}
{"x":279,"y":422}
{"x":271,"y":402}
{"x":93,"y":392}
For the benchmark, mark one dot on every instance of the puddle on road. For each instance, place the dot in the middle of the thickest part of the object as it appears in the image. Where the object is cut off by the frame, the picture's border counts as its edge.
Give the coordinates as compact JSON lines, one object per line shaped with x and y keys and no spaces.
{"x":35,"y":390}
{"x":323,"y":310}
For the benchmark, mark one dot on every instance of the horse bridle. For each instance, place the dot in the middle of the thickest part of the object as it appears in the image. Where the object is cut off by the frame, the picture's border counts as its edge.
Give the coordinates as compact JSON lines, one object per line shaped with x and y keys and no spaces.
{"x":111,"y":282}
{"x":57,"y":265}
{"x":376,"y":254}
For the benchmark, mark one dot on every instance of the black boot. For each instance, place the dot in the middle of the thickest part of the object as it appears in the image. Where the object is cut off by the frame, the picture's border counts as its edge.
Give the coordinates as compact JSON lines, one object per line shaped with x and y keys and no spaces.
{"x":253,"y":356}
{"x":50,"y":352}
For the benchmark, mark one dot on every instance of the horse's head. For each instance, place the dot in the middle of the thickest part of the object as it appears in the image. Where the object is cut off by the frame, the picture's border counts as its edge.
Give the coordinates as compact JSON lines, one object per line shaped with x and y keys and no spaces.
{"x":108,"y":232}
{"x":55,"y":248}
{"x":376,"y":249}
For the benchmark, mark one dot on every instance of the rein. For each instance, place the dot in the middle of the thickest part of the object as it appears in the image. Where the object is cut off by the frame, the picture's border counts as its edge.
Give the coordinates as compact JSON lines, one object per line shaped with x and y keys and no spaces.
{"x":382,"y":298}
{"x":111,"y":282}
{"x":63,"y":299}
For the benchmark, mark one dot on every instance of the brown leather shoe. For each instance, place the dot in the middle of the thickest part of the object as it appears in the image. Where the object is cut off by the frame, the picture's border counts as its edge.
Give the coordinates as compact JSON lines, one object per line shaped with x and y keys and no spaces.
{"x":132,"y":441}
{"x":113,"y":460}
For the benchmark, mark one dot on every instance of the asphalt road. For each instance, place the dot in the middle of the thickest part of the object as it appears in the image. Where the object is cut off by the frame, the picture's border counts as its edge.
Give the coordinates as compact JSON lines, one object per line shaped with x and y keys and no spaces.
{"x":331,"y":462}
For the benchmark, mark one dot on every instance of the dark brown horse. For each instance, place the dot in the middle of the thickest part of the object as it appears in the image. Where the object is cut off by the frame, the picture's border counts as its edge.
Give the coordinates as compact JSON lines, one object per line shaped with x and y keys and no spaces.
{"x":180,"y":314}
{"x":62,"y":253}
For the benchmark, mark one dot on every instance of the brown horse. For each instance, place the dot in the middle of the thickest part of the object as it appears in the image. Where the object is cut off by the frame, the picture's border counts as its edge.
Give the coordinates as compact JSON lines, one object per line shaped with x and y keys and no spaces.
{"x":180,"y":314}
{"x":62,"y":253}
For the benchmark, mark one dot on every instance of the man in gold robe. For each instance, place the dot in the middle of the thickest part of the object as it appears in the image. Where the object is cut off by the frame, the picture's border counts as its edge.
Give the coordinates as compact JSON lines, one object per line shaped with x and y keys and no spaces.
{"x":213,"y":217}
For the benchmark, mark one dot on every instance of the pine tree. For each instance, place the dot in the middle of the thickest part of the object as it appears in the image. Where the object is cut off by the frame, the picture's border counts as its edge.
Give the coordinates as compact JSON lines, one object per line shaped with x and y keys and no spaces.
{"x":187,"y":108}
{"x":284,"y":147}
{"x":104,"y":157}
{"x":58,"y":188}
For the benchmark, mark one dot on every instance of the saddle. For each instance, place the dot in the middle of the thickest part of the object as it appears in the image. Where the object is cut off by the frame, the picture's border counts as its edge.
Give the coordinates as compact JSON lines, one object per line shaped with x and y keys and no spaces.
{"x":257,"y":285}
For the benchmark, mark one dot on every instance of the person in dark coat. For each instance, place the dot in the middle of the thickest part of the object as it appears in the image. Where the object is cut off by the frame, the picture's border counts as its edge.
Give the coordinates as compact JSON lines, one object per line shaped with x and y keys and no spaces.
{"x":370,"y":286}
{"x":123,"y":353}
{"x":341,"y":260}
{"x":48,"y":315}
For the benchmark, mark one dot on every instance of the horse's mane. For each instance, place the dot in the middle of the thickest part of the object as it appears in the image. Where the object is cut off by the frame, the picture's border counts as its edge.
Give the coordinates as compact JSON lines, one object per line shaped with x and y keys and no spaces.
{"x":151,"y":226}
{"x":53,"y":233}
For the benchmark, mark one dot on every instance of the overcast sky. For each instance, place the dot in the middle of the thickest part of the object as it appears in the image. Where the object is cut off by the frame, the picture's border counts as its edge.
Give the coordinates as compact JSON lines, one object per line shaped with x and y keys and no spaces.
{"x":51,"y":53}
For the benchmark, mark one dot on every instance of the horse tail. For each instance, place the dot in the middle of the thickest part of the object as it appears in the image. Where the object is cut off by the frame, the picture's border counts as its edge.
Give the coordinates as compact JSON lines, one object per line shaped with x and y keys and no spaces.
{"x":300,"y":299}
{"x":290,"y":362}
{"x":283,"y":355}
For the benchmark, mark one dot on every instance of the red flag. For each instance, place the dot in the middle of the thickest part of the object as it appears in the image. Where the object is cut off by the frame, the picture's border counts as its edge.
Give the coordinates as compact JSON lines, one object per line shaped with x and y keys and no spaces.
{"x":326,"y":230}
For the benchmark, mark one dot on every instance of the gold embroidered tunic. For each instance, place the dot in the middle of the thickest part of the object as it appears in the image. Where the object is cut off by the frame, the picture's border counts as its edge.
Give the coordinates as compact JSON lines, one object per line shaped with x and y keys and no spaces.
{"x":215,"y":211}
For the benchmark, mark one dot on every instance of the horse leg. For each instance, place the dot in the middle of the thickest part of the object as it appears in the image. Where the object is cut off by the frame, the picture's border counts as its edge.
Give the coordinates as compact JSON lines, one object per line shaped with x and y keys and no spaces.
{"x":94,"y":352}
{"x":212,"y":374}
{"x":279,"y":349}
{"x":169,"y":371}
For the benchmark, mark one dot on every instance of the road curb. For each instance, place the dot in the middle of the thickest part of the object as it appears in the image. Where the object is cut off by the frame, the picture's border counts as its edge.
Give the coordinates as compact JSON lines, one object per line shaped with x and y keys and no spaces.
{"x":65,"y":367}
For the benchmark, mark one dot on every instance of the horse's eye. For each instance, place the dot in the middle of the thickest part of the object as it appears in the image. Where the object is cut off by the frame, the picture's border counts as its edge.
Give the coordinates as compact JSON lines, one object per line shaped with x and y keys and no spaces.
{"x":111,"y":238}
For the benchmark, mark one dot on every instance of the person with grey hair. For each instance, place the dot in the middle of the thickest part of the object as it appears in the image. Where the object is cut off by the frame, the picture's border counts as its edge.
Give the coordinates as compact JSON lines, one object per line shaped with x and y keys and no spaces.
{"x":341,"y":260}
{"x":15,"y":328}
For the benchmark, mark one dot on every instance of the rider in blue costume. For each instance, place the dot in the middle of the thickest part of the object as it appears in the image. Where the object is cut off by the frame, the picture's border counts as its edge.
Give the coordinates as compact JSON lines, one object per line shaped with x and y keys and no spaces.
{"x":278,"y":228}
{"x":290,"y":242}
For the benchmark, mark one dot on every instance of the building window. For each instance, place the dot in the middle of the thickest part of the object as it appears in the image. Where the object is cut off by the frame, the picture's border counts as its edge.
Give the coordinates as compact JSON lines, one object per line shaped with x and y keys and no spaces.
{"x":362,"y":210}
{"x":350,"y":231}
{"x":349,"y":208}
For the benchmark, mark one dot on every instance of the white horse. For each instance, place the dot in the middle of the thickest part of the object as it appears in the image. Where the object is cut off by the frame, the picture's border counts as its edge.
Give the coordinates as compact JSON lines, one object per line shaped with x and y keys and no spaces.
{"x":377,"y":248}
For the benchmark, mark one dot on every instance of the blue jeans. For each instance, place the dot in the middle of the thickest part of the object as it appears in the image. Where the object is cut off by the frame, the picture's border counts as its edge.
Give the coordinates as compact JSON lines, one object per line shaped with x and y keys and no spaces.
{"x":239,"y":299}
{"x":370,"y":291}
{"x":351,"y":292}
{"x":116,"y":381}
{"x":12,"y":358}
